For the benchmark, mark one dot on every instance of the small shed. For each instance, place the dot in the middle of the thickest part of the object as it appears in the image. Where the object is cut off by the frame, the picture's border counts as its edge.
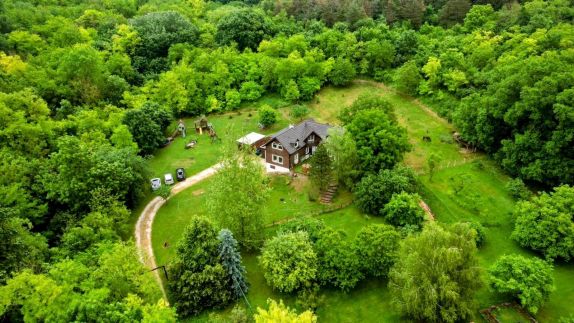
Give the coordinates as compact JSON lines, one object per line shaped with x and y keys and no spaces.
{"x":250,"y":139}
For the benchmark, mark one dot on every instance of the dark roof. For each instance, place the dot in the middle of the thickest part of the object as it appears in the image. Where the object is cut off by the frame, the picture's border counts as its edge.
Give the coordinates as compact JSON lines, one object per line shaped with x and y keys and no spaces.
{"x":289,"y":136}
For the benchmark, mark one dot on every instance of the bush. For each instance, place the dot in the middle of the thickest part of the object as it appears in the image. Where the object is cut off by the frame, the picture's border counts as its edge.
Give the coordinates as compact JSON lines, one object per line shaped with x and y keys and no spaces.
{"x":528,"y":279}
{"x":267,"y":116}
{"x":289,"y":262}
{"x":377,"y":247}
{"x":374,"y":191}
{"x":518,"y":190}
{"x":545,"y":223}
{"x":404,"y":209}
{"x":480,"y":233}
{"x":299,"y":111}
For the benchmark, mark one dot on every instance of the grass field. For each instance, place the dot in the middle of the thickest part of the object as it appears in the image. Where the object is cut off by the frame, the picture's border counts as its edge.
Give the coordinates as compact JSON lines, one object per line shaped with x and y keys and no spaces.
{"x":480,"y":195}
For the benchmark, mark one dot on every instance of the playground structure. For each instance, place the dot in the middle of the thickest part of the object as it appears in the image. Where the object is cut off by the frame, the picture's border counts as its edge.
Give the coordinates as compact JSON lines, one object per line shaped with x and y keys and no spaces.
{"x":179,"y":130}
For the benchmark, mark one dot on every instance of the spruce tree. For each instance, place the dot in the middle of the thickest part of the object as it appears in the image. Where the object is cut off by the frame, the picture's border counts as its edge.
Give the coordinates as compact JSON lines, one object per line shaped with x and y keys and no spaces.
{"x":231,"y":260}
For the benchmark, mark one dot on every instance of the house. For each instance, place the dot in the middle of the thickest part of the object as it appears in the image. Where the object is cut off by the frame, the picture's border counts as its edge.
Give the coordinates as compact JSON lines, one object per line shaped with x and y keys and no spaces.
{"x":290,"y":146}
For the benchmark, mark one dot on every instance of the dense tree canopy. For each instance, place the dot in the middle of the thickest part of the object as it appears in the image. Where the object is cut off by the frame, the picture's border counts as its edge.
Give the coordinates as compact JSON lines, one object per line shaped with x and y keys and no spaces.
{"x":436,"y":274}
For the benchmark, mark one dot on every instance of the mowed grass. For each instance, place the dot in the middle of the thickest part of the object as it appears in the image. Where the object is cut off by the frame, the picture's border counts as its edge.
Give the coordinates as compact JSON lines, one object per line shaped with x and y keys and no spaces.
{"x":229,"y":127}
{"x":480,"y":195}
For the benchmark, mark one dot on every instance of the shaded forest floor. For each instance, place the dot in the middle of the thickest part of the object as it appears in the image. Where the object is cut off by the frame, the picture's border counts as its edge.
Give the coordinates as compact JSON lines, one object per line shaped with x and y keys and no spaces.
{"x":465,"y":186}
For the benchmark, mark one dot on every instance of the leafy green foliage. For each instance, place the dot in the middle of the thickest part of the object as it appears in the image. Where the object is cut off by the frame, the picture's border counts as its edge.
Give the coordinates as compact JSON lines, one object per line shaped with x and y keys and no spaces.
{"x":199,"y":280}
{"x":381,"y":142}
{"x":338,"y":263}
{"x":343,"y":72}
{"x":528,"y":279}
{"x":518,"y":189}
{"x":436,"y":275}
{"x":157,"y":31}
{"x":147,"y":126}
{"x":343,"y":152}
{"x":267,"y":116}
{"x":245,"y":27}
{"x":375,"y":191}
{"x":404,"y":209}
{"x":289,"y":262}
{"x":239,"y":182}
{"x":408,"y":78}
{"x":377,"y":248}
{"x":299,"y":111}
{"x":278,"y":312}
{"x":321,"y":168}
{"x":545,"y":223}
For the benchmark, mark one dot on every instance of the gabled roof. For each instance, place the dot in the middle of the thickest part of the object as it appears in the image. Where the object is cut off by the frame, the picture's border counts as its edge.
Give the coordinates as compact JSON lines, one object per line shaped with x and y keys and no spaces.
{"x":289,"y":136}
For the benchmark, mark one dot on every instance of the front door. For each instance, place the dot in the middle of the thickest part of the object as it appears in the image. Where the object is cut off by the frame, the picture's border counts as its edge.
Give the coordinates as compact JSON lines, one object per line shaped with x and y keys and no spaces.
{"x":296,"y":159}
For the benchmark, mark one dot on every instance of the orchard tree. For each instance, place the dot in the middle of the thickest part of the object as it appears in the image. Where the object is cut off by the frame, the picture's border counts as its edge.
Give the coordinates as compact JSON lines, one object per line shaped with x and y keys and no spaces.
{"x":267,"y":116}
{"x":321,"y":168}
{"x":404,"y":210}
{"x":377,"y":248}
{"x":278,"y":312}
{"x":245,"y":27}
{"x":436,"y":275}
{"x":374,"y":191}
{"x":239,"y":182}
{"x":381,"y":142}
{"x":289,"y":262}
{"x":529,"y":280}
{"x":545,"y":223}
{"x":231,"y":260}
{"x":299,"y":111}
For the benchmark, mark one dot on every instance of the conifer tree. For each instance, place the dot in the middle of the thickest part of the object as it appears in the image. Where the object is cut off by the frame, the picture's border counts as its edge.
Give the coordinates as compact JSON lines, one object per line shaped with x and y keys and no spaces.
{"x":231,"y":260}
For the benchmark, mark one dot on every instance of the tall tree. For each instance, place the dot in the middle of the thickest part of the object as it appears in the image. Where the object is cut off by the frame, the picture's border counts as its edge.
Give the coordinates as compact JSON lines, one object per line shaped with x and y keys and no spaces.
{"x":454,"y":12}
{"x":321,"y":168}
{"x":231,"y":260}
{"x":245,"y":27}
{"x":377,"y":247}
{"x":239,"y":182}
{"x":436,"y":275}
{"x":199,"y":280}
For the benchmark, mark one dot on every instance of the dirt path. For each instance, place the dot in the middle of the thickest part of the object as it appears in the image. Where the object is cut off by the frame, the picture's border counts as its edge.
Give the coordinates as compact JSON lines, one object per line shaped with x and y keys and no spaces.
{"x":143,"y":229}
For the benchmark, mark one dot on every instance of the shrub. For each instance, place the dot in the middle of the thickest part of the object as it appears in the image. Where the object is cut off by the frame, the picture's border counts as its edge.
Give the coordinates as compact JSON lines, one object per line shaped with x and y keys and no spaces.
{"x":404,"y":209}
{"x":289,"y":262}
{"x":518,"y":190}
{"x":267,"y":116}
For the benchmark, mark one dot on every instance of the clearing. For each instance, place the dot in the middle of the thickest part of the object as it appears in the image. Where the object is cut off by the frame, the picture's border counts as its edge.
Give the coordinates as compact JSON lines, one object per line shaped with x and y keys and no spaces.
{"x":465,"y":186}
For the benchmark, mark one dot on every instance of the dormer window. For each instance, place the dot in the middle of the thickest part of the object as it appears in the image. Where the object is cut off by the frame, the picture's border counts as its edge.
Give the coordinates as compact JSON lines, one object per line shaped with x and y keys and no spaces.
{"x":277,"y":146}
{"x":311,"y":138}
{"x":297,"y":143}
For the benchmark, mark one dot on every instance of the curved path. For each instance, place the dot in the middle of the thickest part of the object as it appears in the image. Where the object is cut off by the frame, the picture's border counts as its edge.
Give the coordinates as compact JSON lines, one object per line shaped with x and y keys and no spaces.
{"x":145,"y":221}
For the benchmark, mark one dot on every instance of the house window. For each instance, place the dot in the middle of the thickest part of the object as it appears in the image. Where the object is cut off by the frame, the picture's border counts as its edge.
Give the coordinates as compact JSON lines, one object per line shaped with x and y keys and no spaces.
{"x":297,"y":144}
{"x":277,"y":146}
{"x":307,"y":150}
{"x":277,"y":159}
{"x":311,"y":138}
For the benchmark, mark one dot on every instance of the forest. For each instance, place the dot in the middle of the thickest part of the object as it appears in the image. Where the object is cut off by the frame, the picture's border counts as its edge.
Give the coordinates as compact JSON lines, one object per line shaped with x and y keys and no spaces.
{"x":90,"y":89}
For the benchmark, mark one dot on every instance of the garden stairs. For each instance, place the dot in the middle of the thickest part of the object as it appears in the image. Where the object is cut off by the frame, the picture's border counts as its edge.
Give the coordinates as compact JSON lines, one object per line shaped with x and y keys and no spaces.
{"x":328,"y":194}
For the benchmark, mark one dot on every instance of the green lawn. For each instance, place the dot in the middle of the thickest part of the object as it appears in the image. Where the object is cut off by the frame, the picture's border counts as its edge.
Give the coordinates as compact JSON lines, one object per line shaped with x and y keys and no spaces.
{"x":480,"y":195}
